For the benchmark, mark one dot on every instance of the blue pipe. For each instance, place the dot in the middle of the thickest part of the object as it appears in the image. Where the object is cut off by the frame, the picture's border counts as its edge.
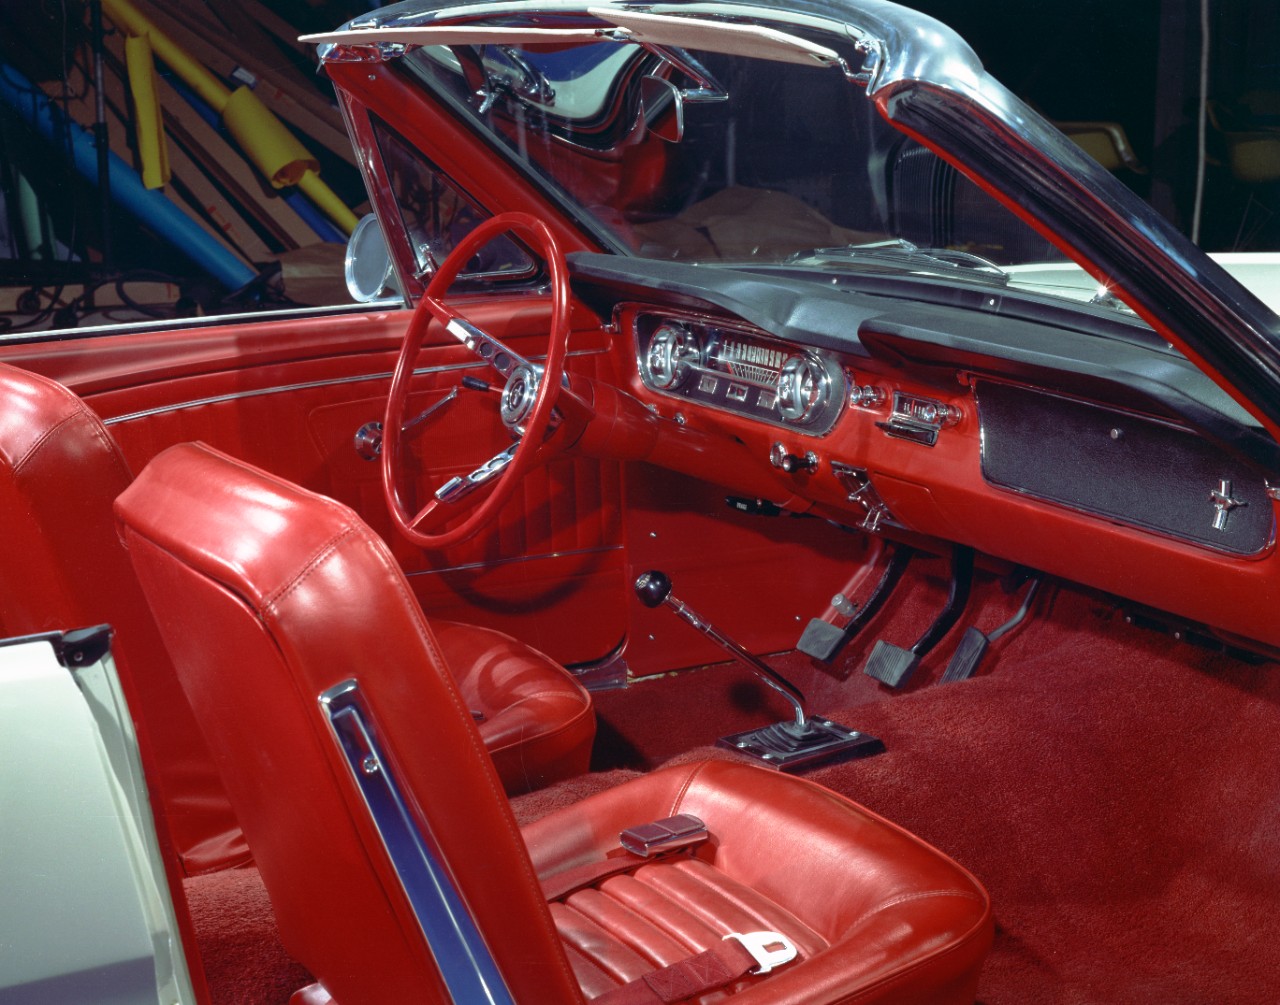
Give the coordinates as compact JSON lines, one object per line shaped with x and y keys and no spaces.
{"x":314,"y":219}
{"x":152,"y":208}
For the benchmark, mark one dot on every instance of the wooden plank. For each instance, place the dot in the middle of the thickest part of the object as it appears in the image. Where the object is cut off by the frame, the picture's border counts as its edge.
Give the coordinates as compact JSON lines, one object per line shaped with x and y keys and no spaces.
{"x":227,"y":166}
{"x":242,"y":21}
{"x":304,"y":108}
{"x":279,"y":27}
{"x":105,"y":297}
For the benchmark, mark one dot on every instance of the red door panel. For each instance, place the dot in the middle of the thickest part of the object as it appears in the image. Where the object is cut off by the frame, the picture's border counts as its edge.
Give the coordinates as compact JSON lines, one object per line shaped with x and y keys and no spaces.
{"x":289,"y":396}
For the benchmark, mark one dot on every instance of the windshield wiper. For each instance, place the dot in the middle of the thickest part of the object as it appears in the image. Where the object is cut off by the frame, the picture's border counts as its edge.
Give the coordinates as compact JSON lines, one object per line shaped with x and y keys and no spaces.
{"x":901,"y":253}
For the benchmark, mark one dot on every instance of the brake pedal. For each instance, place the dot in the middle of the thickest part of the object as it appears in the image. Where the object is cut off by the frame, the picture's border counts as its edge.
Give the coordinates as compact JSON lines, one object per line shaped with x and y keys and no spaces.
{"x":893,"y":665}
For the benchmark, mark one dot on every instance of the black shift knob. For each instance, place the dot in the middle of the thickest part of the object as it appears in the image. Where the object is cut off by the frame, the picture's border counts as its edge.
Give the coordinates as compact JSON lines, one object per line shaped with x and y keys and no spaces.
{"x":653,"y":588}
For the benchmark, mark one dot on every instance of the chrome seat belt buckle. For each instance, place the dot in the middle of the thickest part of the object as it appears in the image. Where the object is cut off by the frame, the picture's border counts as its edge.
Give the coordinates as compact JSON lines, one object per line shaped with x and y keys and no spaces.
{"x":768,"y":949}
{"x":668,"y":834}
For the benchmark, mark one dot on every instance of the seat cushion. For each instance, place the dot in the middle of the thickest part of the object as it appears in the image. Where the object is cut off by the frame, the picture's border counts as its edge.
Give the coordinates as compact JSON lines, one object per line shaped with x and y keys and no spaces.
{"x":535,"y":719}
{"x":877,"y":914}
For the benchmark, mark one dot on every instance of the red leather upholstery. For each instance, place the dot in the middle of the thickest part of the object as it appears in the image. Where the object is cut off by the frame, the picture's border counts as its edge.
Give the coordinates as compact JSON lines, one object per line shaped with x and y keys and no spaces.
{"x":300,"y":596}
{"x":877,"y":915}
{"x":537,"y":722}
{"x":63,"y":568}
{"x":270,"y":595}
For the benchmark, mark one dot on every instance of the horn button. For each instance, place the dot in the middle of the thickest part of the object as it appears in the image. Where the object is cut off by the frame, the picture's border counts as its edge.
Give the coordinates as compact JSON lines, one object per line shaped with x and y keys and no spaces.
{"x":519,"y":395}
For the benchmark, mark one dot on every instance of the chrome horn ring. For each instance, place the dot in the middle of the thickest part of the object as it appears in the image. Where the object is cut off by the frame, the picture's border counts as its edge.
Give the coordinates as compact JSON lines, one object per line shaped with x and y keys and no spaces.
{"x":519,"y":395}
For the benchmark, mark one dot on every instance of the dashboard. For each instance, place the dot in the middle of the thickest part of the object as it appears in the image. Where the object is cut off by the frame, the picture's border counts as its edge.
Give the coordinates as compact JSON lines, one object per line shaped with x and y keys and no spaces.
{"x":1097,"y":455}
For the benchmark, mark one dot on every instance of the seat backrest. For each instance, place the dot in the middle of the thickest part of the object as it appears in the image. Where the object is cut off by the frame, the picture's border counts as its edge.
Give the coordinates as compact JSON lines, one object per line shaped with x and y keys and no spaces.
{"x":270,"y":596}
{"x":62,"y":567}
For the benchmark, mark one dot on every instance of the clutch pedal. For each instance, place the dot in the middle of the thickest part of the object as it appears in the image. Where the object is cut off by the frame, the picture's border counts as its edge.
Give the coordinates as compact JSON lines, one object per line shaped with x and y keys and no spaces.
{"x":824,"y":641}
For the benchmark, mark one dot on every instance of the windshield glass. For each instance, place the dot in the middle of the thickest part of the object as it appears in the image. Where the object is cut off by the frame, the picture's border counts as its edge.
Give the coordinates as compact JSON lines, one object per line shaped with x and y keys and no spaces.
{"x":713,"y":158}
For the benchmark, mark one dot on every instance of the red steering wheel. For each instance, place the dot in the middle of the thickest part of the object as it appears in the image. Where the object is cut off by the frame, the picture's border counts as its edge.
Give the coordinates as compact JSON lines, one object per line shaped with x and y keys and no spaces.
{"x":528,"y":397}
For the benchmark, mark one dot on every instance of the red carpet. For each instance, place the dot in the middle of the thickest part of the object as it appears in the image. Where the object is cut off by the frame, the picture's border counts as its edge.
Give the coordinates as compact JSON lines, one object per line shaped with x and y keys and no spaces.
{"x":244,"y":962}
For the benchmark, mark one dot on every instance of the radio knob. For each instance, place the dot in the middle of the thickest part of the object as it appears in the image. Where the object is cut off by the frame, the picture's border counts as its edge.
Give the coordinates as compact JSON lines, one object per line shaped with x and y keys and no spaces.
{"x":867,"y":396}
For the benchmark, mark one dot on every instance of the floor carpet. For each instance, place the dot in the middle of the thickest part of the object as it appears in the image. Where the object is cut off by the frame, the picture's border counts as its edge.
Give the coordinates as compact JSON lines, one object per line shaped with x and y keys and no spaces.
{"x":1116,"y":790}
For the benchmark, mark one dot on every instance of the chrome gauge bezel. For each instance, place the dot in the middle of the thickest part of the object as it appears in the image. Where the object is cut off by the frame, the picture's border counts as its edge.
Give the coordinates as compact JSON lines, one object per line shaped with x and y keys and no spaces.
{"x":732,"y":367}
{"x":804,"y":389}
{"x":673,"y":353}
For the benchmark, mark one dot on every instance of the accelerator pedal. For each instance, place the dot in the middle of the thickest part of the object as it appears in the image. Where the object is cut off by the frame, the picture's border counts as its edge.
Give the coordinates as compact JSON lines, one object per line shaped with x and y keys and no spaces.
{"x":973,"y":646}
{"x":893,"y":665}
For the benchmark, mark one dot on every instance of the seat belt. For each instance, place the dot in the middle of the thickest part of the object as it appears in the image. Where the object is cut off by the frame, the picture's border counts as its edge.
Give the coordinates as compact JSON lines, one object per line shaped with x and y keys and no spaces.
{"x":738,"y":955}
{"x":637,"y":845}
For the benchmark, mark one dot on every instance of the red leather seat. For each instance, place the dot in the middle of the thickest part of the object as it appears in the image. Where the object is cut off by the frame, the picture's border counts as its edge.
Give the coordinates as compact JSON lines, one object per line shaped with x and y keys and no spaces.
{"x":357,"y":769}
{"x":536,"y":721}
{"x":64,"y":568}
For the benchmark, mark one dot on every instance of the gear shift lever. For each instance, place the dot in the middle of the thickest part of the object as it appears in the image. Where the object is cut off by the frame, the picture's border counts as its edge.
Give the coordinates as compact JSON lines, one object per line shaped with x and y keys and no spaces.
{"x":784,"y":745}
{"x":654,"y":589}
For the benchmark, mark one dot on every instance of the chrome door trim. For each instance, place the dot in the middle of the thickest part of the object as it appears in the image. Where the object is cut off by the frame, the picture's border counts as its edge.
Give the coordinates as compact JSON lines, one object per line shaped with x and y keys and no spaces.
{"x":219,"y":399}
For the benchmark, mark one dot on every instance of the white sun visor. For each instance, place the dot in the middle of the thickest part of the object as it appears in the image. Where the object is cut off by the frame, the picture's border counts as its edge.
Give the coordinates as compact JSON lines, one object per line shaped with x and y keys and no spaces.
{"x":718,"y":36}
{"x":662,"y":30}
{"x":452,"y":35}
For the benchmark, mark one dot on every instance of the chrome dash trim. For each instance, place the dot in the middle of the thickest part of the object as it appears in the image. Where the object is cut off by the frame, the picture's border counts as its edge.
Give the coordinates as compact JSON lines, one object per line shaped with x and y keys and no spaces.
{"x":466,"y":965}
{"x":219,"y":399}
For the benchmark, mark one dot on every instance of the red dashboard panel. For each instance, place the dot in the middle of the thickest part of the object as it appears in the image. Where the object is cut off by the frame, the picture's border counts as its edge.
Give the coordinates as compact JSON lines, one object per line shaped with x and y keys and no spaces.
{"x":941,"y":491}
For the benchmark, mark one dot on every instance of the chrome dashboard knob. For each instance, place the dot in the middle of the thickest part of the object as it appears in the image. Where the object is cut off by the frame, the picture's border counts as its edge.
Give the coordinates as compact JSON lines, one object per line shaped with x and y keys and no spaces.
{"x":867,"y":396}
{"x":782,"y":458}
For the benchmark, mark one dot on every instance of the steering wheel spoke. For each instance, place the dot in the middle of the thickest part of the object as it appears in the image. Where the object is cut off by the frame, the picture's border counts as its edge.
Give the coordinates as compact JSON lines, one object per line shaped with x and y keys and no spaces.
{"x":528,"y":399}
{"x":484,"y":345}
{"x":461,"y":486}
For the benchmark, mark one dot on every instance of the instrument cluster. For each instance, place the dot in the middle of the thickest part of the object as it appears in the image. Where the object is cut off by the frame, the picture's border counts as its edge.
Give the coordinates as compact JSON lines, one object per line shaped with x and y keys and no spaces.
{"x":741,"y":370}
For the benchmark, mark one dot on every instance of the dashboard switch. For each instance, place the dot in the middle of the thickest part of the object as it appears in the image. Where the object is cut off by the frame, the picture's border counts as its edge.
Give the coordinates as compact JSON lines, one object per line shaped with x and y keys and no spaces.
{"x":781,"y":457}
{"x":867,"y":396}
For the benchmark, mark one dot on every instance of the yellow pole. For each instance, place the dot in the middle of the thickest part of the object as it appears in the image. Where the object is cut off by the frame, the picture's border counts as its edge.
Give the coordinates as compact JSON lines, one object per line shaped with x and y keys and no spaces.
{"x":324,"y":197}
{"x":196,"y":76}
{"x":272,"y":148}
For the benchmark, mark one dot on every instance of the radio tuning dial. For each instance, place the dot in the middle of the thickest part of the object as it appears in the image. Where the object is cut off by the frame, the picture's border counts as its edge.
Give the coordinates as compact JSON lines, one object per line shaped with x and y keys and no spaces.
{"x":803,"y":389}
{"x":672,"y":351}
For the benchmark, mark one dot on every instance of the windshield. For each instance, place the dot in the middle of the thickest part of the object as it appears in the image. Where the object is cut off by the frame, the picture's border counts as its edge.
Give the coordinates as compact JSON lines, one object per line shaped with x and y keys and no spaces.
{"x":713,"y":158}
